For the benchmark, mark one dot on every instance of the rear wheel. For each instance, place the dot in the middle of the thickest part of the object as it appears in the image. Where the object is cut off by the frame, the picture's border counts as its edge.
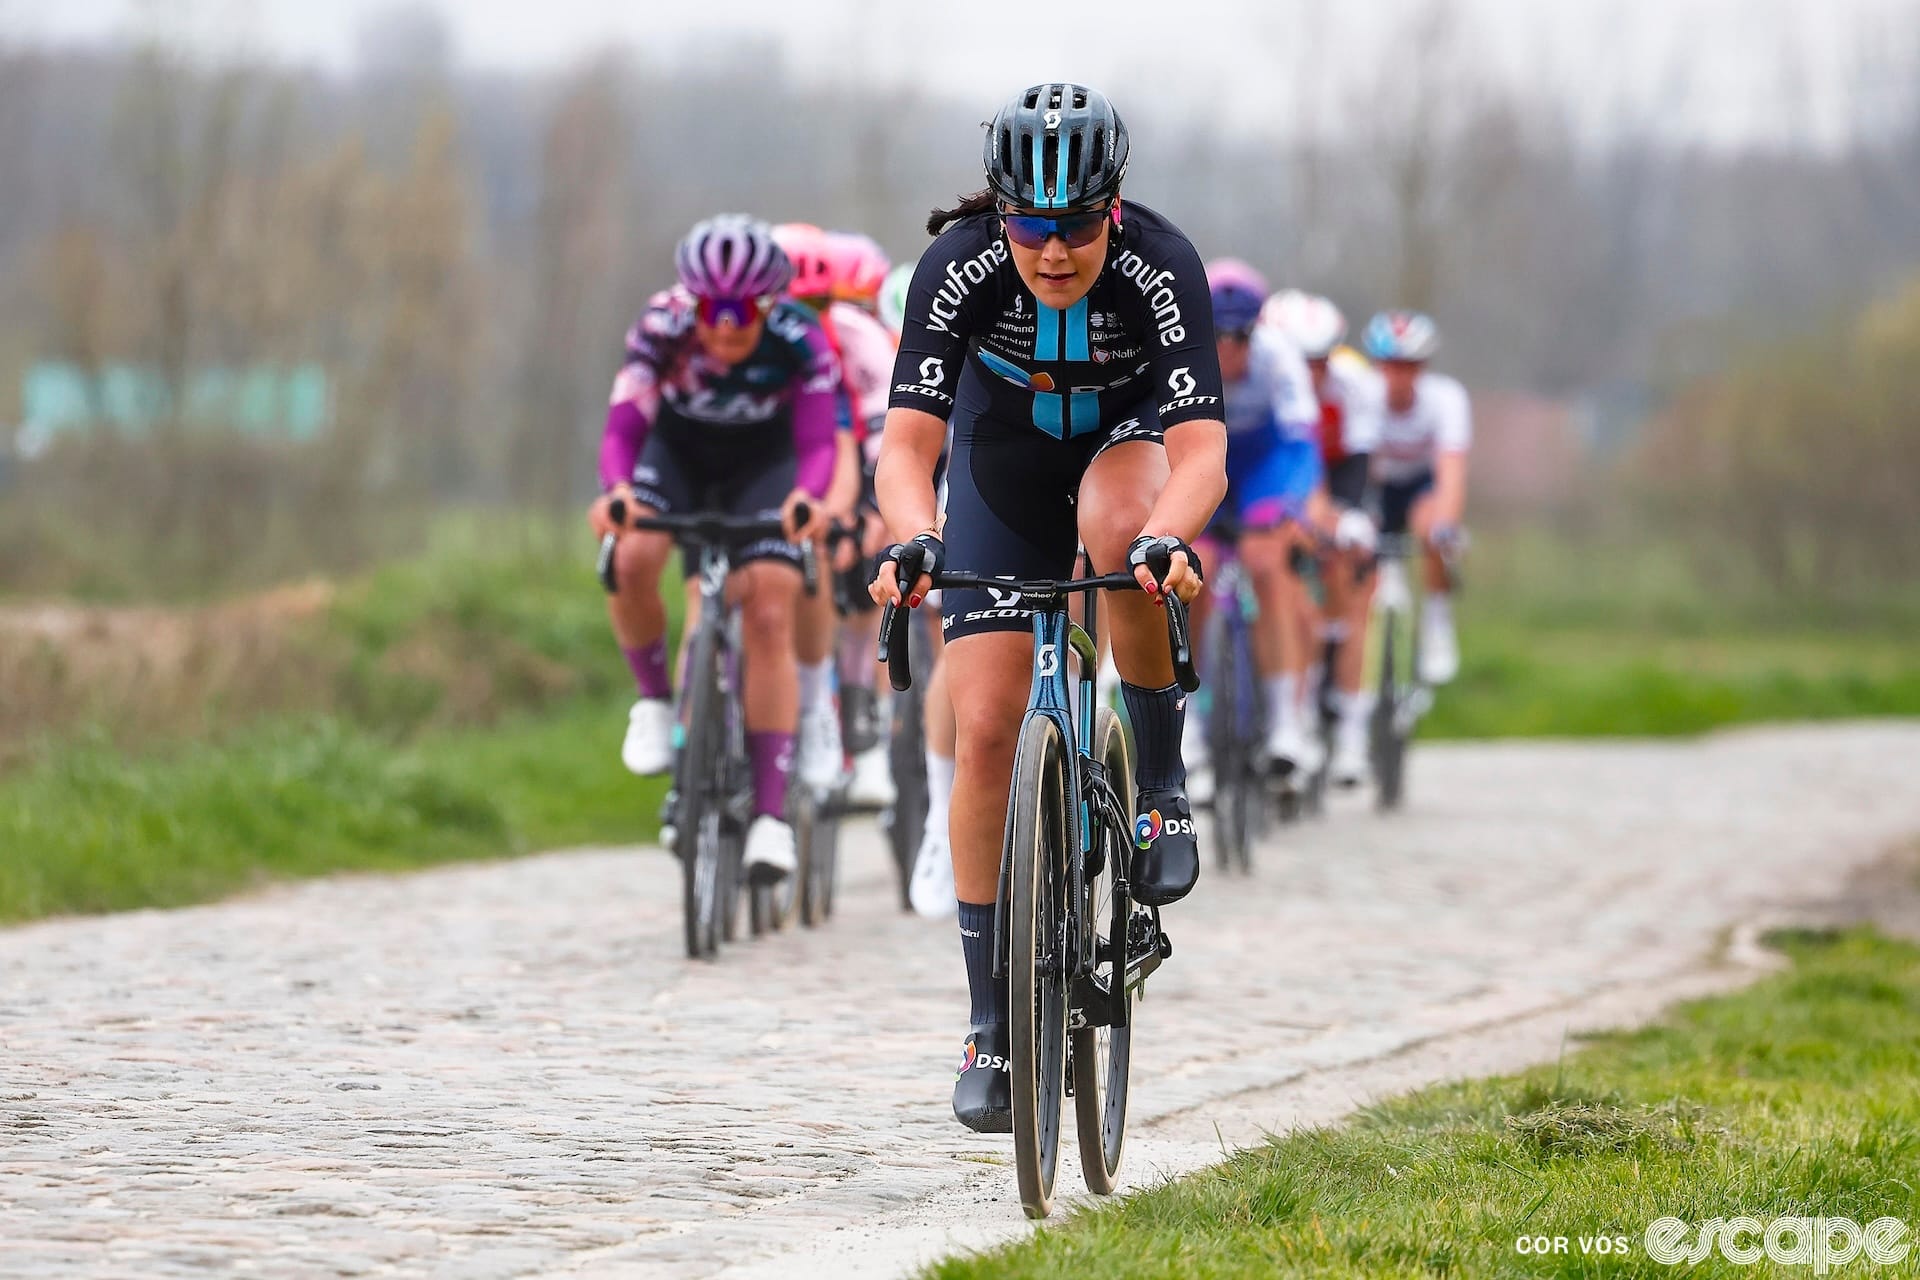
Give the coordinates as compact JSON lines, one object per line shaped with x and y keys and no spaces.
{"x":1103,"y":1054}
{"x":1037,"y":833}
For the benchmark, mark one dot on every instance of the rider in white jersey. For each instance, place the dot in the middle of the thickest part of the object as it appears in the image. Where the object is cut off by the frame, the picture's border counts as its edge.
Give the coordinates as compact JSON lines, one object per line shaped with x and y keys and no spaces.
{"x":1351,"y":397}
{"x":1421,"y":468}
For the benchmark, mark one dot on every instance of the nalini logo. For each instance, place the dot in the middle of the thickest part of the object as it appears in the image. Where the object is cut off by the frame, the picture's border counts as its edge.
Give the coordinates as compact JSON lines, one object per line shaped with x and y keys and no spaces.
{"x":1146,"y":828}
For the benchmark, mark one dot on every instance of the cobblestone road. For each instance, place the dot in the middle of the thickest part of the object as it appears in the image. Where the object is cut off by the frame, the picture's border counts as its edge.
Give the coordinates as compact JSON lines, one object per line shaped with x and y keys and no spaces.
{"x":509,"y":1070}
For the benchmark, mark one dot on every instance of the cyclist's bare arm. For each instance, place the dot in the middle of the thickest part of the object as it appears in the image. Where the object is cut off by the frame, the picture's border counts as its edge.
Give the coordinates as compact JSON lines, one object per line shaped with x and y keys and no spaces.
{"x":903,"y":483}
{"x":1197,"y":455}
{"x":1449,"y":487}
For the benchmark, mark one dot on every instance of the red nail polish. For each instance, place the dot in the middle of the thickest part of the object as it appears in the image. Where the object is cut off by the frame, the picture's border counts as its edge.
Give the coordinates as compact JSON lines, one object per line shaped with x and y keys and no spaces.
{"x":913,"y":602}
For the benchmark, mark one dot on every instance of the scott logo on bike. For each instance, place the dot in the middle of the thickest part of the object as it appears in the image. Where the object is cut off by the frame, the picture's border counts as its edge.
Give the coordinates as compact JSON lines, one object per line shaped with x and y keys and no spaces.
{"x":972,"y":1058}
{"x":1150,"y":826}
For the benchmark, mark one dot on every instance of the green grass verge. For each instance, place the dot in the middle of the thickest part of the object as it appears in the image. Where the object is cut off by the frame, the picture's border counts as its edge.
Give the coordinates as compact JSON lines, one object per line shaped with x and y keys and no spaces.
{"x":1797,"y":1097}
{"x":1563,"y":640}
{"x":87,"y":829}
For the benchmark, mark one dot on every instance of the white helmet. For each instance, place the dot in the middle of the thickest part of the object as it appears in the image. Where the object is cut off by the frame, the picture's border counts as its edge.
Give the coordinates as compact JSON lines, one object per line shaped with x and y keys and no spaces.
{"x":1313,"y":323}
{"x":892,"y":303}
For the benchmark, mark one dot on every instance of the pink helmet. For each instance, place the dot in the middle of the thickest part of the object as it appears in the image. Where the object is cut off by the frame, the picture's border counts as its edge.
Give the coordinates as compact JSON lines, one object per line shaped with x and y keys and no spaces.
{"x":859,"y":266}
{"x":808,"y":247}
{"x":1313,"y":323}
{"x":731,"y":255}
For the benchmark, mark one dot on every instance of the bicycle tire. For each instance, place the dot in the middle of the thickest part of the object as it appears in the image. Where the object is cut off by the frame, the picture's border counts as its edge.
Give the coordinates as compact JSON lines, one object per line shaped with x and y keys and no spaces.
{"x":1229,"y":808}
{"x":1037,"y":833}
{"x":906,"y":820}
{"x":1389,"y":745}
{"x":816,"y":833}
{"x":701,"y":848}
{"x":1103,"y":1056}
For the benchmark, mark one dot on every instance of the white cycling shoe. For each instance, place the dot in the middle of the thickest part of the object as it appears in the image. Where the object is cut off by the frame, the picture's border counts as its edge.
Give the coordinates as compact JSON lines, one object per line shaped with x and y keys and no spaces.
{"x":1439,"y":649}
{"x":872,"y":785}
{"x":930,"y":889}
{"x":649,"y":744}
{"x":822,"y":760}
{"x":1295,"y":752}
{"x":770,"y":856}
{"x":1350,"y":756}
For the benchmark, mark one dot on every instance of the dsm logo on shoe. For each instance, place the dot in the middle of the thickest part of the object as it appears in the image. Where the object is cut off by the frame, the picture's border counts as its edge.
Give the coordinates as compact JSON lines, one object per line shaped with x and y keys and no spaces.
{"x":971,"y":1058}
{"x":1150,"y":826}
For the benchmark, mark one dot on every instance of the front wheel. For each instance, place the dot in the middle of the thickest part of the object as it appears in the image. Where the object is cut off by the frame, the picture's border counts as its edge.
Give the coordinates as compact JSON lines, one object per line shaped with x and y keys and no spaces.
{"x":816,"y":835}
{"x":1103,"y":1054}
{"x":1385,"y":735}
{"x":1037,"y":834}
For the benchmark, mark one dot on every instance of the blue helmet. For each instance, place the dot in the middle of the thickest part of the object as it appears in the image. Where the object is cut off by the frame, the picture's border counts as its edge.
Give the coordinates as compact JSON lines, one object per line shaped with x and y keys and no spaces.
{"x":1238,"y":294}
{"x":1400,"y":335}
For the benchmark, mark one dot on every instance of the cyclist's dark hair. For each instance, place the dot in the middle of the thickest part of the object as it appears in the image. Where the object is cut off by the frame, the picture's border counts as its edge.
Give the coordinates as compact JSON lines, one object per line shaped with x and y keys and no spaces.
{"x":981,"y":201}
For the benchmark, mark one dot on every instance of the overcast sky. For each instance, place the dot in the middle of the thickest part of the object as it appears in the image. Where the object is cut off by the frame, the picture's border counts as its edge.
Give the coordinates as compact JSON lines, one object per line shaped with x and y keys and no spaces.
{"x":1720,"y":70}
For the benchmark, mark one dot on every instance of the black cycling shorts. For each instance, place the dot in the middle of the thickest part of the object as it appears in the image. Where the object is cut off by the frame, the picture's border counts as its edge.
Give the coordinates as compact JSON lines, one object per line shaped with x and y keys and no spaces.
{"x":1347,"y":480}
{"x":1011,"y":505}
{"x":685,"y":468}
{"x":1397,"y":498}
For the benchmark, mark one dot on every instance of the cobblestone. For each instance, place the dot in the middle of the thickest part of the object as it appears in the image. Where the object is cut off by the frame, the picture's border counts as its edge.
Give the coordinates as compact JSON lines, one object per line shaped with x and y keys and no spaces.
{"x":509,"y":1070}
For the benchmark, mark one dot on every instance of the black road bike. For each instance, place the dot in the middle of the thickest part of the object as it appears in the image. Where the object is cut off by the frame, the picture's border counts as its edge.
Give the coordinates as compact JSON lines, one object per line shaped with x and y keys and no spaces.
{"x":712,"y":798}
{"x":1068,"y":938}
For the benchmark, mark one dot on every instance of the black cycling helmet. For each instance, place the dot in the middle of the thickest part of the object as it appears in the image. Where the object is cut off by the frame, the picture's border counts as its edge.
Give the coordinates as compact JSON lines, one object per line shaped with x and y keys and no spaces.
{"x":1056,"y":146}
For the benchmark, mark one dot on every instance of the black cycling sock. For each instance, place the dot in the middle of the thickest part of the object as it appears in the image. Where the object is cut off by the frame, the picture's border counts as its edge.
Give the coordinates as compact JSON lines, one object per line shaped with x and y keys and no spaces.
{"x":976,"y":943}
{"x":1158,"y":716}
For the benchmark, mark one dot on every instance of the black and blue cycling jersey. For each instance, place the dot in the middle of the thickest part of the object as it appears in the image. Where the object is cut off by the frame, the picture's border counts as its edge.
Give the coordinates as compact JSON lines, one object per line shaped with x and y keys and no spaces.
{"x":1036,"y":393}
{"x":1142,"y":337}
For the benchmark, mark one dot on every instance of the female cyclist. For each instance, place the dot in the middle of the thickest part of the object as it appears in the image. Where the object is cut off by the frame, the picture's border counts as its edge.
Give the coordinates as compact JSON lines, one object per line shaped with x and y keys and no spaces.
{"x":1350,"y":395}
{"x":1421,"y":467}
{"x":726,"y":402}
{"x":1070,"y":341}
{"x":1275,"y":490}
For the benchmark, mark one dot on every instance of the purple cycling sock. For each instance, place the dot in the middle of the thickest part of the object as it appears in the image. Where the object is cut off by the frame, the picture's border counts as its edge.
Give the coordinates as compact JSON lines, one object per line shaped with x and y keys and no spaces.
{"x":772,"y":754}
{"x":649,"y":666}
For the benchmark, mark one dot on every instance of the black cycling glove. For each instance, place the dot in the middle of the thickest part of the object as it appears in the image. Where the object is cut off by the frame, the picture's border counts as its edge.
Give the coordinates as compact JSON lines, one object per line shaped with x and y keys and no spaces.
{"x":925,"y":554}
{"x":1157,"y":555}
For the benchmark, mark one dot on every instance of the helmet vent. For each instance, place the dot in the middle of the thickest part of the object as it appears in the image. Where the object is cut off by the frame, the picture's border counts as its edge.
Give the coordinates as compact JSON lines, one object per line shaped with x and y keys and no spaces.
{"x":1057,"y":180}
{"x":1073,"y":158}
{"x":1027,"y":175}
{"x":1079,"y":99}
{"x":1096,"y":151}
{"x":1033,"y":97}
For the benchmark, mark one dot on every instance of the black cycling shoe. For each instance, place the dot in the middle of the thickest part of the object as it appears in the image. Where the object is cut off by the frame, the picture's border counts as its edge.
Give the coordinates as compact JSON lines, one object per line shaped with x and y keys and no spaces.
{"x":1166,"y":848}
{"x":983,"y":1090}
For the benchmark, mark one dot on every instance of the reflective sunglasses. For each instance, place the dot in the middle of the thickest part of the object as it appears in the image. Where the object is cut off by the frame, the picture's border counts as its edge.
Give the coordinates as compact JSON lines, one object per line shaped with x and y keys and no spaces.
{"x":1032,"y":230}
{"x":736,"y":312}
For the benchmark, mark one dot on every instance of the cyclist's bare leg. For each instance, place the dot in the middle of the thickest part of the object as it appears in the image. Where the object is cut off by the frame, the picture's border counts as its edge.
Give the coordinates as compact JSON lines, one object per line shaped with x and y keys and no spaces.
{"x":639,"y":559}
{"x":996,"y":668}
{"x":1276,"y":647}
{"x":818,"y":628}
{"x":1348,"y":600}
{"x":1116,"y":496}
{"x":769,"y":596}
